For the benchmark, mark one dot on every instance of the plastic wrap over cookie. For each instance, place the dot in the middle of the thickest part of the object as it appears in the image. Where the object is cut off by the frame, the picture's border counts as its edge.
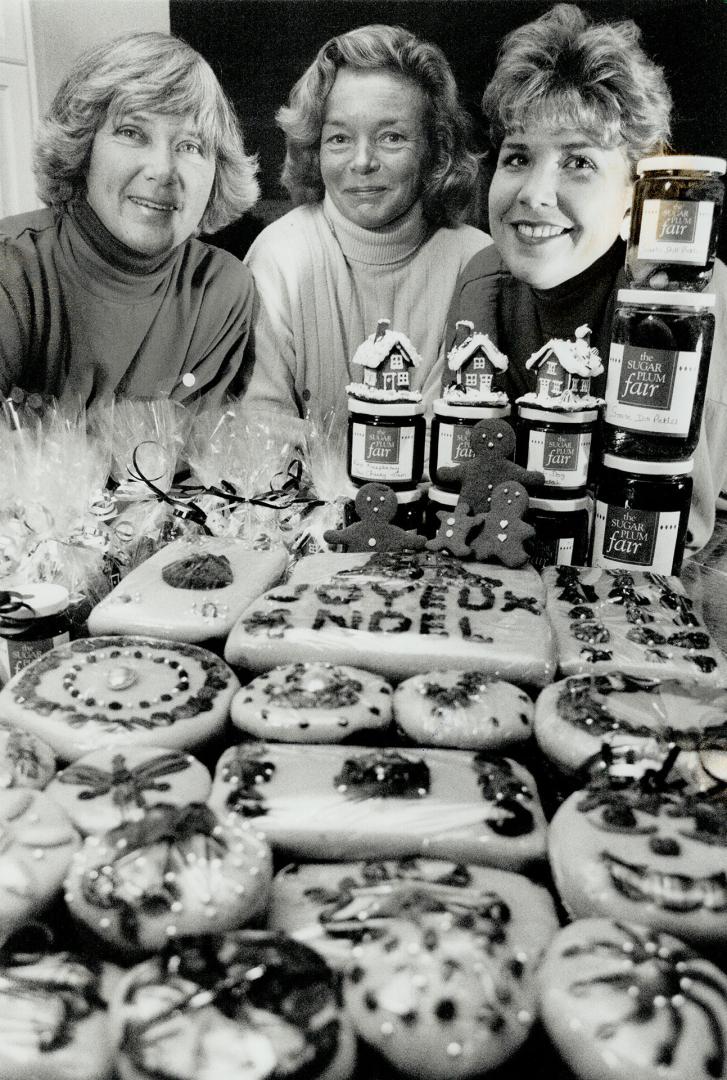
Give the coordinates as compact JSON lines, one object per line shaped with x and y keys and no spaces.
{"x":400,"y":614}
{"x":356,"y":802}
{"x":618,"y":999}
{"x":191,"y":590}
{"x":634,"y":622}
{"x":335,"y":906}
{"x":247,"y":1005}
{"x":635,"y":719}
{"x":120,"y":690}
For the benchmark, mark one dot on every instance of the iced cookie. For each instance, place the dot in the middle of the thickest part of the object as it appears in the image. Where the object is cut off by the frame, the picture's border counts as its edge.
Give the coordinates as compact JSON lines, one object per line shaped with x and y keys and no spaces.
{"x":314,"y":702}
{"x":191,"y":590}
{"x":464,"y":709}
{"x":119,"y":691}
{"x":400,"y":614}
{"x":335,"y":906}
{"x":37,"y":842}
{"x":576,"y":716}
{"x":248,"y":1005}
{"x":349,"y":802}
{"x":25,"y":760}
{"x":52,"y":1020}
{"x":636,"y":853}
{"x":437,"y":1005}
{"x":618,"y":999}
{"x":635,"y":622}
{"x":102,"y":790}
{"x":174,"y":872}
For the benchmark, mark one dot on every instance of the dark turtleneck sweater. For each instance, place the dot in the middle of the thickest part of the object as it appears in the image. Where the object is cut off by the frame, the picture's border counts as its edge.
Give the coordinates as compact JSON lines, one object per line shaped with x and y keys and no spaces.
{"x":83,"y":317}
{"x":520,"y":319}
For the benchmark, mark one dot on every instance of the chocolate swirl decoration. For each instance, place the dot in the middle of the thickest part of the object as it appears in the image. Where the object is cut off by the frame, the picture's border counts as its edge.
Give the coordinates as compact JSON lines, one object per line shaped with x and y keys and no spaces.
{"x":244,"y":769}
{"x":500,"y":786}
{"x":383,"y":774}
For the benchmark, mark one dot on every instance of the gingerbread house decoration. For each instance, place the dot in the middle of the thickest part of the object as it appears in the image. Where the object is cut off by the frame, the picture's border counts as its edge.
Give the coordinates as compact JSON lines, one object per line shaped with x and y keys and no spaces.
{"x":387,"y":357}
{"x":565,"y":368}
{"x":474,"y":360}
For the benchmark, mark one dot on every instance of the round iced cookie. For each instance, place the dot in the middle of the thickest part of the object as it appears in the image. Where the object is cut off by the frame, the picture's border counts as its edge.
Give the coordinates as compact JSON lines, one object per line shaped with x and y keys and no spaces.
{"x":618,"y":999}
{"x":335,"y":906}
{"x":37,"y":843}
{"x":576,"y":716}
{"x":644,"y":855}
{"x":312,"y":702}
{"x":25,"y":760}
{"x":462,"y":709}
{"x":174,"y":872}
{"x":117,"y":691}
{"x":439,"y":1004}
{"x":248,"y":1005}
{"x":53,"y":1023}
{"x":102,"y":790}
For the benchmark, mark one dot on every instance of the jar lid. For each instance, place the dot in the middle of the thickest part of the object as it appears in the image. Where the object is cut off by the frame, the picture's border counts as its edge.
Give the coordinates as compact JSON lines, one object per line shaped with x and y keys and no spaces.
{"x":585,"y":416}
{"x":460,"y":411}
{"x":437,"y":494}
{"x":386,"y":408}
{"x":668,"y":299}
{"x":562,"y":505}
{"x":651,"y":468}
{"x":42,"y":599}
{"x":675,"y":162}
{"x":409,"y":495}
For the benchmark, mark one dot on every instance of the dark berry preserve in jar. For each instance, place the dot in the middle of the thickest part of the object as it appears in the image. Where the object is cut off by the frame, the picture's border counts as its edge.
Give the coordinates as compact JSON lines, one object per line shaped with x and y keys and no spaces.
{"x":386,"y":442}
{"x":558,"y":444}
{"x":562,"y":531}
{"x":658,"y":364}
{"x":675,"y":221}
{"x":642,"y":510}
{"x":450,"y":434}
{"x":33,"y":620}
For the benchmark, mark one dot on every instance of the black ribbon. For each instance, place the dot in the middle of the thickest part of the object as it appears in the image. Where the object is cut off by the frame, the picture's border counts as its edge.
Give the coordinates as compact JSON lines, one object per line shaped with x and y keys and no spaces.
{"x":187,"y":510}
{"x":11,"y":602}
{"x":284,"y":491}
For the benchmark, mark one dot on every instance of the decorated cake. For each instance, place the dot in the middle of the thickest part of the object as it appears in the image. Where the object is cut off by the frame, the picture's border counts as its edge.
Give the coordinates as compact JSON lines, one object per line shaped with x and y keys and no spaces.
{"x":191,"y":590}
{"x":633,"y":622}
{"x":120,"y":690}
{"x":335,"y":906}
{"x":400,"y":614}
{"x":356,"y":802}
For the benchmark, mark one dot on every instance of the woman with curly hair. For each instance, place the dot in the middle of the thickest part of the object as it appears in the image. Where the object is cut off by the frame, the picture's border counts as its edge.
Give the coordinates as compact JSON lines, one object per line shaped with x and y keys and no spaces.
{"x":380,"y":172}
{"x":573,"y":105}
{"x":108,"y":291}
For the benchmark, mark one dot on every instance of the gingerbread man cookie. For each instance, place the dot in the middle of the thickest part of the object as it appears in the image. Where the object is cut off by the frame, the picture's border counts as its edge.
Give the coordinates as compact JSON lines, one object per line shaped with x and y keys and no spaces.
{"x":493,"y":444}
{"x":455,"y":527}
{"x":504,"y":531}
{"x":375,"y":505}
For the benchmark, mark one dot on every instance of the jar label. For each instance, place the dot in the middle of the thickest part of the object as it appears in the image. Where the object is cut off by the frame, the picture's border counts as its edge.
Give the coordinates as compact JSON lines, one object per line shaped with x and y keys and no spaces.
{"x":562,"y":456}
{"x":675,"y":231}
{"x":557,"y":551}
{"x":382,"y":453}
{"x":454,"y":445}
{"x":16,"y":654}
{"x":651,"y":389}
{"x":635,"y":539}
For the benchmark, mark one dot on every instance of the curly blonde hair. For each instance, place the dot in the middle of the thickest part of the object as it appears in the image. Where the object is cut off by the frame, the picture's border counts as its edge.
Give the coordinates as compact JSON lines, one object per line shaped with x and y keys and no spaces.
{"x":453,"y":168}
{"x":154,"y":72}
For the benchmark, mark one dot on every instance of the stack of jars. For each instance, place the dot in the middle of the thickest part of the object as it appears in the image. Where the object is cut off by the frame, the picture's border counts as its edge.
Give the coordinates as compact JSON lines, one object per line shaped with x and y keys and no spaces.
{"x":658,"y":365}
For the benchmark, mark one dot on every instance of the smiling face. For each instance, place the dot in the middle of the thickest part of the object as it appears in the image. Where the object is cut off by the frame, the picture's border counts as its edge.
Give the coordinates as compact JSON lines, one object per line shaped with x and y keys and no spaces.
{"x":149,"y":180}
{"x":374,"y":146}
{"x":557,"y":202}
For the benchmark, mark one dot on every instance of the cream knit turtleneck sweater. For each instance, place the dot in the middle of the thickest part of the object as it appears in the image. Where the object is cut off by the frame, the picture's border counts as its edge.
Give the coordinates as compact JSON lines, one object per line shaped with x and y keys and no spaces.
{"x":322,"y":284}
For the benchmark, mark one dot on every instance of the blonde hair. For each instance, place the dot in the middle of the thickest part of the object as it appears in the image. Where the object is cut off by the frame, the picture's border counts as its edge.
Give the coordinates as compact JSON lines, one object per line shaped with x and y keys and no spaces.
{"x":451,"y":175}
{"x":154,"y":72}
{"x":562,"y":69}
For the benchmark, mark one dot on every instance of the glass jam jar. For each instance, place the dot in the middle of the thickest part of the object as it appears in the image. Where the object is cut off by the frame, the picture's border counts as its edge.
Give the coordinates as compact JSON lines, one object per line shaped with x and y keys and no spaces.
{"x":675,"y":221}
{"x":657,"y":373}
{"x":450,"y":435}
{"x":642,"y":510}
{"x":558,"y":444}
{"x":33,"y":620}
{"x":562,"y":531}
{"x":386,"y":442}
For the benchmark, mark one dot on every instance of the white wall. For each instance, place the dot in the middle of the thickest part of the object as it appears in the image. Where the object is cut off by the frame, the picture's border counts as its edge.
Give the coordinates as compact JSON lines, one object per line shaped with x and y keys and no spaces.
{"x":61,"y":29}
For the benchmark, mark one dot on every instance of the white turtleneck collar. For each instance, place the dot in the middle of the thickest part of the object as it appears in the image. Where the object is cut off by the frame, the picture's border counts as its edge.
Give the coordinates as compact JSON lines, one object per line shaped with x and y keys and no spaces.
{"x":377,"y":247}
